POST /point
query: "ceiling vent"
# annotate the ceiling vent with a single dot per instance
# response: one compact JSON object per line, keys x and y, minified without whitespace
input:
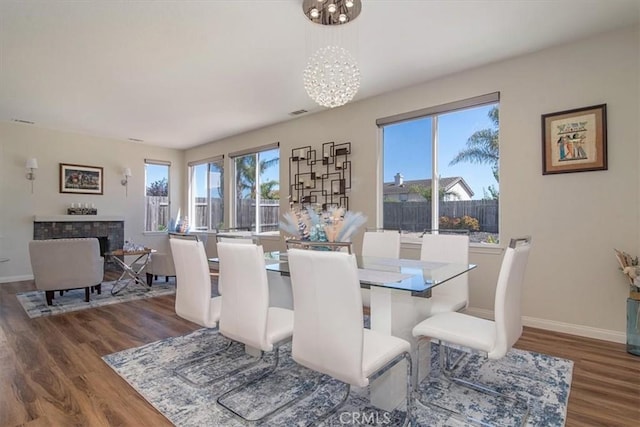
{"x":136,"y":140}
{"x":23,"y":121}
{"x":298,"y":112}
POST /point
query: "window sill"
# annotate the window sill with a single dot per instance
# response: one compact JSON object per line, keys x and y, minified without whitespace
{"x":478,"y":248}
{"x":486,"y":248}
{"x":154,"y":233}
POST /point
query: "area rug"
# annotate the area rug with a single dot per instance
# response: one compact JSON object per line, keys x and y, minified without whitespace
{"x":35,"y":304}
{"x":174,"y":376}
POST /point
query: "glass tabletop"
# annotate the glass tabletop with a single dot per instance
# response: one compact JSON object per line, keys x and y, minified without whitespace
{"x":402,"y":274}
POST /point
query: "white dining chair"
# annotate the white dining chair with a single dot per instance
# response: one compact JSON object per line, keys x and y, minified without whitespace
{"x":193,"y":294}
{"x":492,"y":338}
{"x":246,"y":316}
{"x":329,"y":334}
{"x":381,"y":244}
{"x":452,"y":295}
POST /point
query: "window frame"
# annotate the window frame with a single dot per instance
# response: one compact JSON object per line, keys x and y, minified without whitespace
{"x":233,"y":194}
{"x":146,"y":184}
{"x":220,"y":161}
{"x":433,"y":113}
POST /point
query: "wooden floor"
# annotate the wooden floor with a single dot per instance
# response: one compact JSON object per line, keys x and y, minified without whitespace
{"x":51,"y":372}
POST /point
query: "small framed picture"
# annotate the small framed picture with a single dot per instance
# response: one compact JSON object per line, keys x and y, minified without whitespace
{"x":575,"y":140}
{"x":80,"y":179}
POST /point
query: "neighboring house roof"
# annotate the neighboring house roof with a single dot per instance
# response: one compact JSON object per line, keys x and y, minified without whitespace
{"x":446,"y":183}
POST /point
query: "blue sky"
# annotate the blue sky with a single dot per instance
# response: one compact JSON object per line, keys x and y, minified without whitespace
{"x":407,"y":148}
{"x":155,"y":173}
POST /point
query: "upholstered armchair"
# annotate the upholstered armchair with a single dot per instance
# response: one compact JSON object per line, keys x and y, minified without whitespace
{"x":161,"y":264}
{"x":63,"y":264}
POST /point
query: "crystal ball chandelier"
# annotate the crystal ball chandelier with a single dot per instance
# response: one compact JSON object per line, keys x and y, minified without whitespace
{"x":332,"y":77}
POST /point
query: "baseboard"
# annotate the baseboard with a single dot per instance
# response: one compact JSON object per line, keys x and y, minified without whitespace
{"x":567,"y":328}
{"x":7,"y":279}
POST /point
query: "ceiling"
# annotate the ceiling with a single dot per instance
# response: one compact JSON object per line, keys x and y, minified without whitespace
{"x":183,"y":73}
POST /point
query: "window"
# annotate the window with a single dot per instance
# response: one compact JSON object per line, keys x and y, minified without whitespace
{"x":206,"y":194}
{"x":156,"y":208}
{"x":256,"y":189}
{"x":452,"y":151}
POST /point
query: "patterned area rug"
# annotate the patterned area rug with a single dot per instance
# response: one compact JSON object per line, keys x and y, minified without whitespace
{"x":35,"y":304}
{"x":175,"y":374}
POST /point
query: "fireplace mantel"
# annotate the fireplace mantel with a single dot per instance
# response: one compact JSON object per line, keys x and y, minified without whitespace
{"x":77,"y":218}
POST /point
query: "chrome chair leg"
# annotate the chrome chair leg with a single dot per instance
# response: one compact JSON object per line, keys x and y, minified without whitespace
{"x":446,"y":374}
{"x":410,"y":371}
{"x":179,"y":370}
{"x":254,"y":381}
{"x":408,"y":419}
{"x":409,"y":413}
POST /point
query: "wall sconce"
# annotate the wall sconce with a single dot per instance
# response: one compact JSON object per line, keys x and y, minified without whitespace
{"x":31,"y":166}
{"x":126,"y":173}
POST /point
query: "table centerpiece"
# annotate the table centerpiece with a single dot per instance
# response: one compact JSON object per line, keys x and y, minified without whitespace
{"x":311,"y":223}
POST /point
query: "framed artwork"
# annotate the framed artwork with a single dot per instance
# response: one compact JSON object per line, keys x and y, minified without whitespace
{"x":81,"y":179}
{"x":575,"y":140}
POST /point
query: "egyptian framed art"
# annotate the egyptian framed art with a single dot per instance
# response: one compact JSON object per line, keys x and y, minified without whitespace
{"x":575,"y":140}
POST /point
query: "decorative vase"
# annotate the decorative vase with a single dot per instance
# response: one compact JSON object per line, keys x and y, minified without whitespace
{"x":633,"y":326}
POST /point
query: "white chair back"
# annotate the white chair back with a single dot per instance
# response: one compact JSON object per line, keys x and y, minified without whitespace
{"x":381,"y":244}
{"x":328,"y":324}
{"x":193,"y":294}
{"x":245,"y":290}
{"x":508,"y":302}
{"x":236,"y":236}
{"x":234,"y":239}
{"x":448,"y":248}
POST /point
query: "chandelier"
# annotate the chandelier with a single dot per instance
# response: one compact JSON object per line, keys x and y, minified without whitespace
{"x":332,"y":76}
{"x":331,"y":12}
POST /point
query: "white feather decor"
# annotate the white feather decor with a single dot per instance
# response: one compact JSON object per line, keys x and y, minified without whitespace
{"x":334,"y":225}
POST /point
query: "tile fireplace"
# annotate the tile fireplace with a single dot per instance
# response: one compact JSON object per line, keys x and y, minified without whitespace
{"x":108,"y":229}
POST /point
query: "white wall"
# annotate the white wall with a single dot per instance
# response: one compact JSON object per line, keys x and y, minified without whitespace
{"x":18,"y":205}
{"x":576,"y":219}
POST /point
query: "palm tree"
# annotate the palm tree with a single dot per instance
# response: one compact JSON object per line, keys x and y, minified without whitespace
{"x":482,"y":146}
{"x":268,"y":190}
{"x":246,"y":174}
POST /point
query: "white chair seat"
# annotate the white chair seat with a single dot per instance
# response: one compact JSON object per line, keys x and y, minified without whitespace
{"x":447,"y":303}
{"x":279,"y":325}
{"x":460,"y":329}
{"x":378,"y":350}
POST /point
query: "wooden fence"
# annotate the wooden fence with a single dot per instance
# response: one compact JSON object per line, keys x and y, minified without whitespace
{"x":416,"y":216}
{"x":245,"y":214}
{"x":409,"y":216}
{"x":157,"y":213}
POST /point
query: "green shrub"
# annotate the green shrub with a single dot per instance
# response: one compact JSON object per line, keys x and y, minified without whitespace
{"x":464,"y":223}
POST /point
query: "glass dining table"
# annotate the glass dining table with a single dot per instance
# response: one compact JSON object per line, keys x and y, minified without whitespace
{"x":416,"y":277}
{"x":400,"y":294}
